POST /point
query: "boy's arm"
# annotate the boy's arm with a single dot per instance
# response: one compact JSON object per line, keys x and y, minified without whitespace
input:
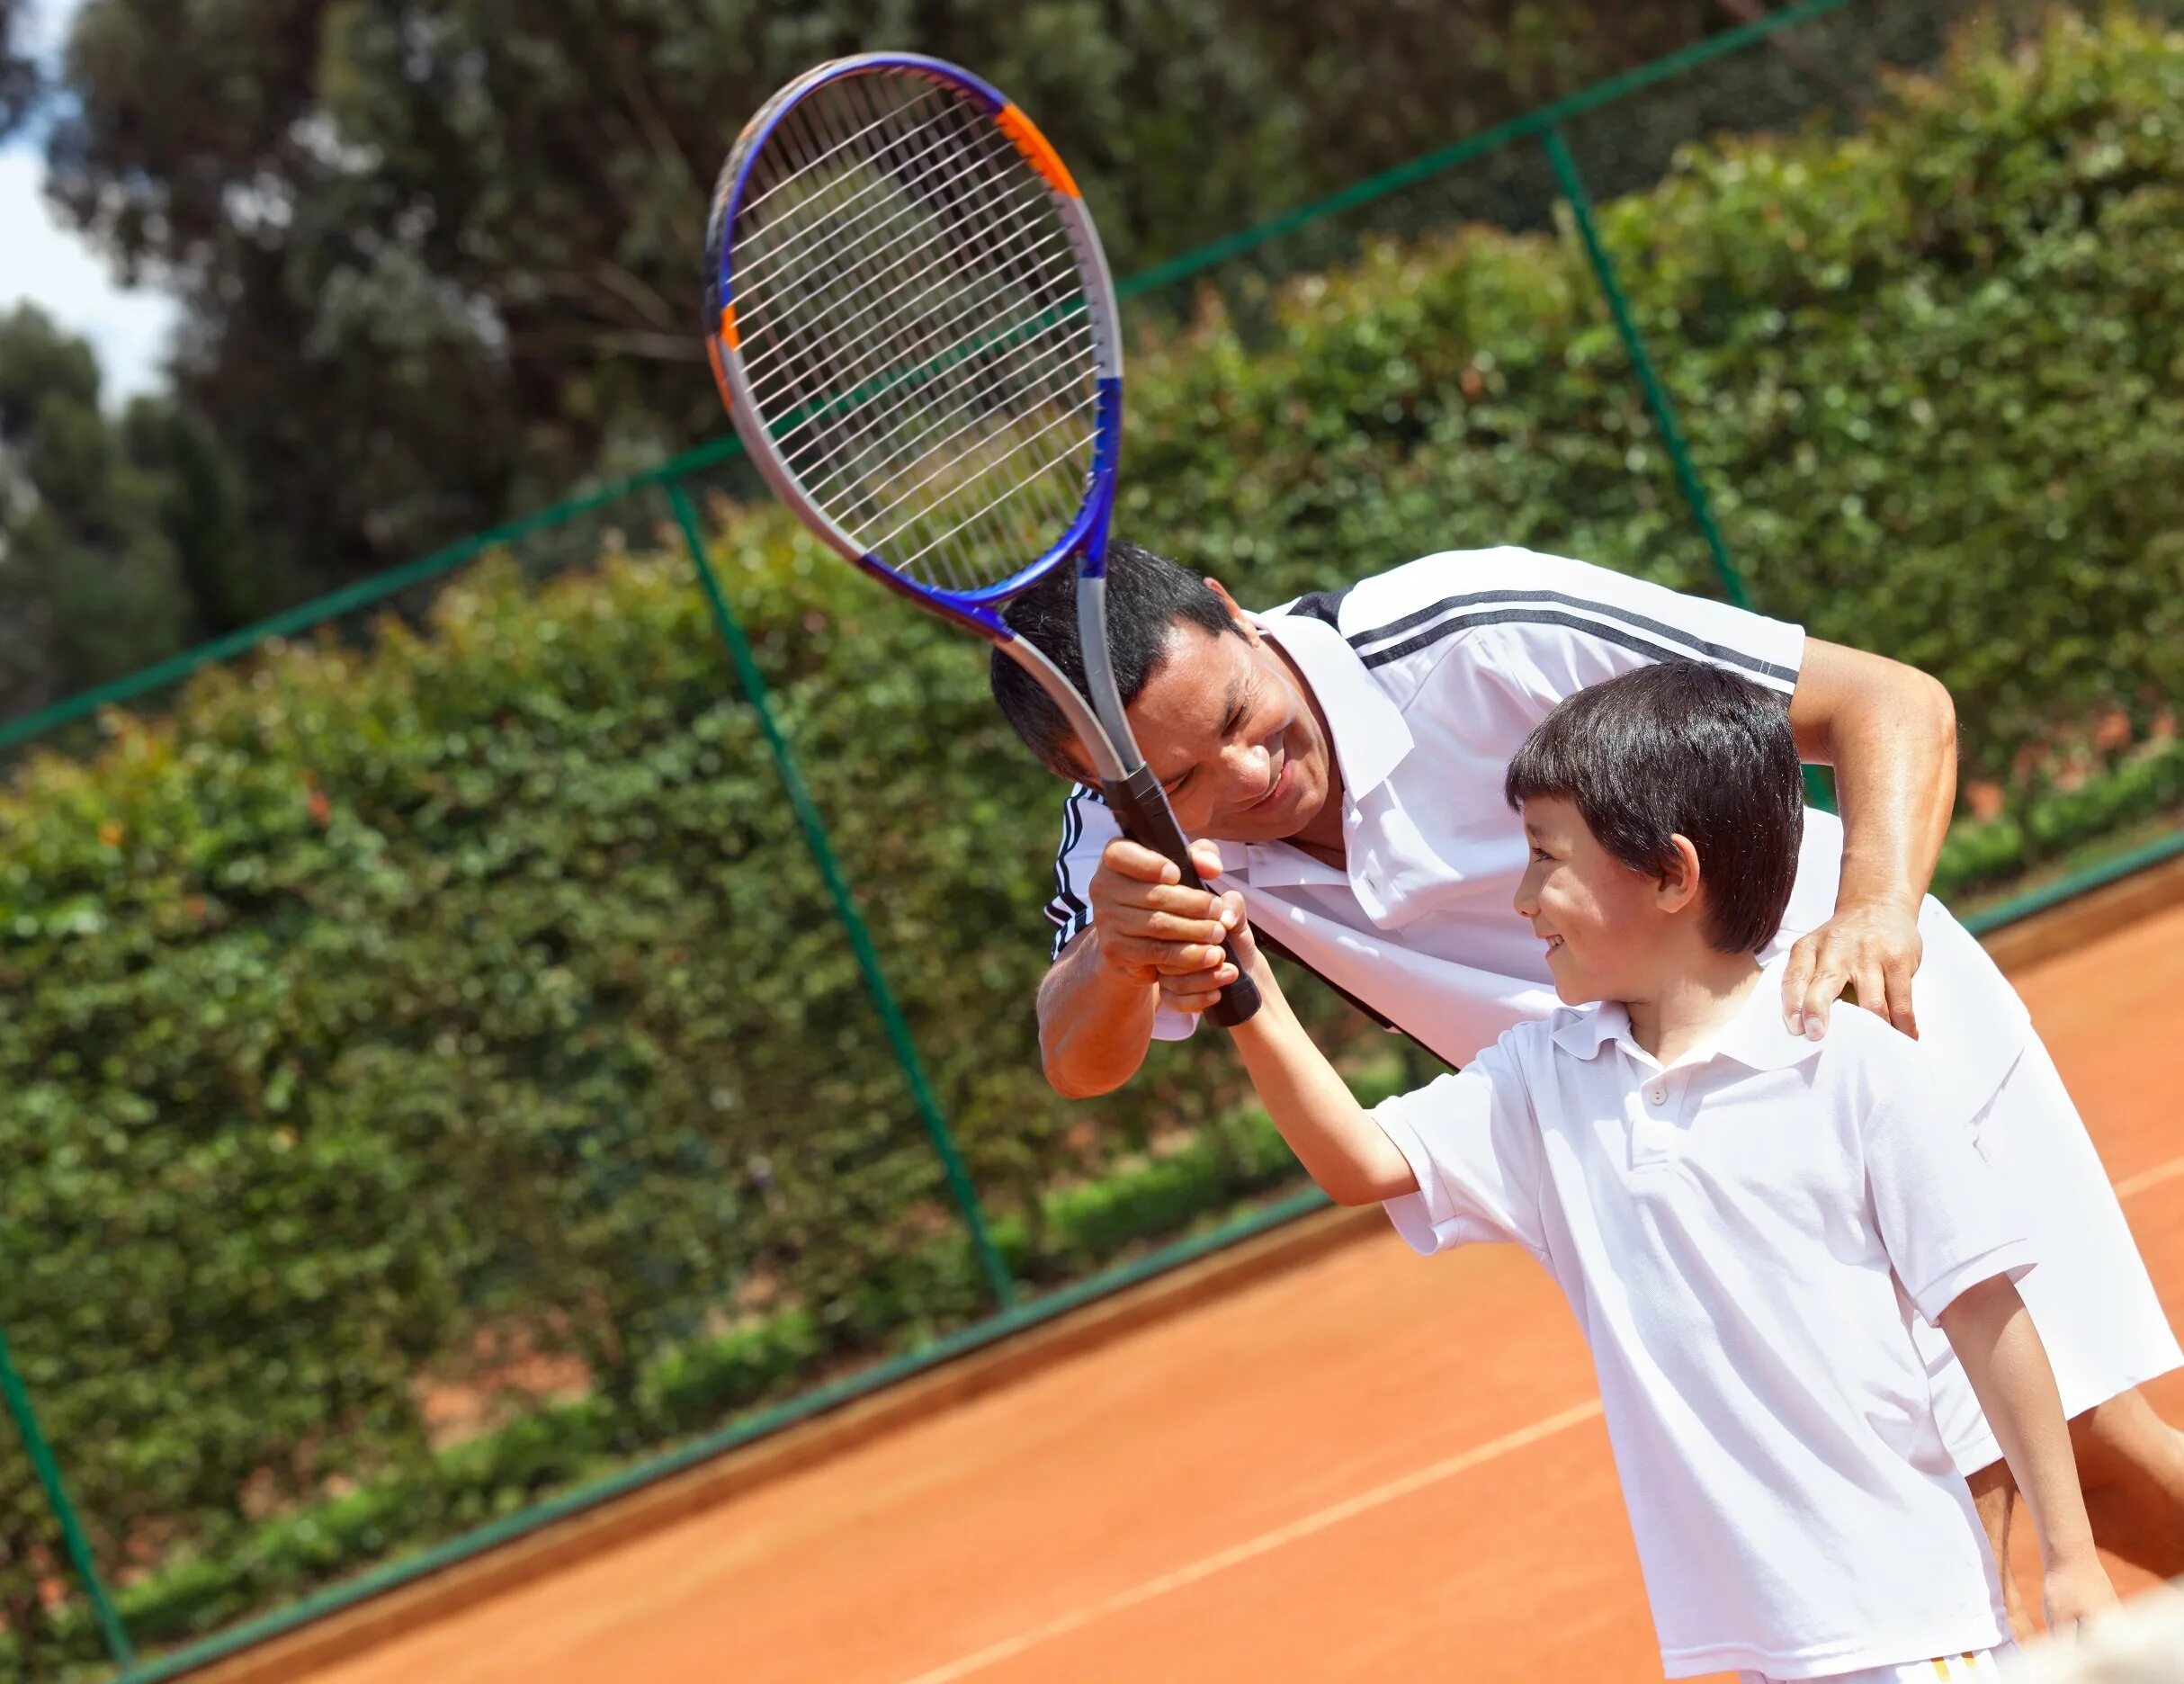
{"x":1340,"y":1146}
{"x":2002,"y":1355}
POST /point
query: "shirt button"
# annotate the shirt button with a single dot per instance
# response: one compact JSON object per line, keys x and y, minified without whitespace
{"x":1658,"y":1096}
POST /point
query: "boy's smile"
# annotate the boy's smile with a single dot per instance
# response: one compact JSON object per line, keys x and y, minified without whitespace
{"x":1596,"y":915}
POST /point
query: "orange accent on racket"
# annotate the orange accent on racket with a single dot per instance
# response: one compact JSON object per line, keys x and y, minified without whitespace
{"x":1039,"y":150}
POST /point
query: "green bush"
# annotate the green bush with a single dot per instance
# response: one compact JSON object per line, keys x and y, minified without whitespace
{"x":391,"y":1010}
{"x":1933,"y":375}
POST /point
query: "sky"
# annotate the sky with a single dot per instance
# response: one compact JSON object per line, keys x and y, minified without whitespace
{"x":43,"y":263}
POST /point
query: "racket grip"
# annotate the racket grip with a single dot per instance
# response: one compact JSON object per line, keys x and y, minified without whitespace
{"x":1140,"y":807}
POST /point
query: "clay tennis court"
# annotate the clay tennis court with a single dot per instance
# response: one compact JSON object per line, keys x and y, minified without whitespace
{"x":1365,"y":1467}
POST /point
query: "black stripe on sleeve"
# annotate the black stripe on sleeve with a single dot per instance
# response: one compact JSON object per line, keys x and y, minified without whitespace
{"x":1688,"y":641}
{"x":1067,"y":910}
{"x":1782,"y":677}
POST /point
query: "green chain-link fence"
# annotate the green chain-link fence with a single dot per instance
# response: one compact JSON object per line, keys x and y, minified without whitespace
{"x":456,"y":1066}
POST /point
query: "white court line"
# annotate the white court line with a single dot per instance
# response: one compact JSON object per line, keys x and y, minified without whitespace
{"x":2153,"y":1178}
{"x":1265,"y":1541}
{"x":1378,"y":1497}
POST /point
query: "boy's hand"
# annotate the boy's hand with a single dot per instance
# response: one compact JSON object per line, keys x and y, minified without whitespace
{"x":1195,"y":990}
{"x":1151,"y":928}
{"x":2076,"y":1588}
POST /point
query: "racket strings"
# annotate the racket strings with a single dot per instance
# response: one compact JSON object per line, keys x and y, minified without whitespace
{"x":949,"y":563}
{"x":938,"y":345}
{"x":1053,"y":253}
{"x":842,"y":226}
{"x":940,"y":453}
{"x":1046,"y":351}
{"x":914,"y":331}
{"x":939,"y":352}
{"x":941,"y":548}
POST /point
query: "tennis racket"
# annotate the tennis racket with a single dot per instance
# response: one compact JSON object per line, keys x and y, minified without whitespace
{"x":912,"y":323}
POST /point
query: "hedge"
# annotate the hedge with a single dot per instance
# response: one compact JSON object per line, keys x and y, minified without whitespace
{"x":1932,"y":372}
{"x":400,"y":1004}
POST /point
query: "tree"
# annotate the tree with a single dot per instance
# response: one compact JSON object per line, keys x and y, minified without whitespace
{"x":120,"y":540}
{"x":439,"y":257}
{"x":20,"y":81}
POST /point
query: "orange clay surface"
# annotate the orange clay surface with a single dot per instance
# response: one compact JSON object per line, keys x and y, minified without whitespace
{"x":1371,"y":1467}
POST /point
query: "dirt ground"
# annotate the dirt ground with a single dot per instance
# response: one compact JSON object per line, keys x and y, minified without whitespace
{"x":1370,"y":1467}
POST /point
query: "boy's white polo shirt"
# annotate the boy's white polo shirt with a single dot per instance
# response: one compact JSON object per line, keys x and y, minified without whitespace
{"x":1430,"y":676}
{"x":1746,"y":1237}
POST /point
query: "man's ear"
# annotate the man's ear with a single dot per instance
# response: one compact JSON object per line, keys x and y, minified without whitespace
{"x":1680,"y":885}
{"x":1243,"y":625}
{"x":1066,"y":765}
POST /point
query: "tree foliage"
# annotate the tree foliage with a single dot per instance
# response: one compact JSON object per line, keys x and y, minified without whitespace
{"x":439,"y":258}
{"x":121,"y":538}
{"x":21,"y":81}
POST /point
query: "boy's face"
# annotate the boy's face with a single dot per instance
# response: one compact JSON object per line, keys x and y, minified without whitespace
{"x":1604,"y":924}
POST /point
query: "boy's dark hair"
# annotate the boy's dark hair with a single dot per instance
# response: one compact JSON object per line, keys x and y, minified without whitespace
{"x":1681,"y":749}
{"x":1147,"y":596}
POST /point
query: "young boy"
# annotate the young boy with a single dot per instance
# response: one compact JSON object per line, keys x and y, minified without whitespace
{"x":1746,"y":1222}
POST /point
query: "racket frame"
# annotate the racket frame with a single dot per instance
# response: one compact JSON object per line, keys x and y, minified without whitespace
{"x":1096,"y":717}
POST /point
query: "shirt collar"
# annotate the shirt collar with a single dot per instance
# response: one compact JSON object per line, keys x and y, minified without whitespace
{"x":1584,"y":1032}
{"x":1756,"y":1037}
{"x":1370,"y":736}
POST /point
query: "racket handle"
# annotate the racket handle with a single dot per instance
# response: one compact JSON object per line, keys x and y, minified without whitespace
{"x":1140,"y":807}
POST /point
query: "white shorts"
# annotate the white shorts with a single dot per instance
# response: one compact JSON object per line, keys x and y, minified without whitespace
{"x":2089,"y":1294}
{"x":1965,"y":1669}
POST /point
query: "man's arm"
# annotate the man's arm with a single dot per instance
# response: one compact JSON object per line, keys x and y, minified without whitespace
{"x":1994,"y":1339}
{"x":1096,"y":1002}
{"x":1890,"y":733}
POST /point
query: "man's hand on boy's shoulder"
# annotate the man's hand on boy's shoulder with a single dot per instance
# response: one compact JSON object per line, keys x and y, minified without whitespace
{"x":1865,"y":955}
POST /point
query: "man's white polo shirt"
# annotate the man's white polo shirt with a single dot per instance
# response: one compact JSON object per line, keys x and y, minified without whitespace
{"x":1745,"y":1238}
{"x":1430,"y":676}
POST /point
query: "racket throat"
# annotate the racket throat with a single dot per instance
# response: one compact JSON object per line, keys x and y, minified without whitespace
{"x":1107,"y":765}
{"x":1100,"y":688}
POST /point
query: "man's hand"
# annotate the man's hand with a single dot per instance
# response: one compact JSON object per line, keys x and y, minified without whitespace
{"x":1153,"y":929}
{"x":1195,"y":990}
{"x":2074,"y":1589}
{"x":1874,"y":948}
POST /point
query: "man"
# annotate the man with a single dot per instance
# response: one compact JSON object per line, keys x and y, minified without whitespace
{"x":1342,"y":756}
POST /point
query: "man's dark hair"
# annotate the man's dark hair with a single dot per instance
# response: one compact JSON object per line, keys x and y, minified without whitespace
{"x":1681,"y":749}
{"x":1147,"y":596}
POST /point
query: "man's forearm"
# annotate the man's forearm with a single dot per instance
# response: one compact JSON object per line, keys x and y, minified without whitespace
{"x":1094,"y":1025}
{"x":1895,"y":784}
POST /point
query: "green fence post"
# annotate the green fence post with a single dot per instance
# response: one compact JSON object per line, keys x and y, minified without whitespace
{"x":1656,"y":395}
{"x":18,"y":1396}
{"x":860,"y":938}
{"x":1819,"y":787}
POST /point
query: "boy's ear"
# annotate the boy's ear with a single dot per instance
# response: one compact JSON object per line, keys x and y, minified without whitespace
{"x":1680,"y":885}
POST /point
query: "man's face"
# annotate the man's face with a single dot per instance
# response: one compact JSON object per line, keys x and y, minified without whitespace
{"x":1224,"y":724}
